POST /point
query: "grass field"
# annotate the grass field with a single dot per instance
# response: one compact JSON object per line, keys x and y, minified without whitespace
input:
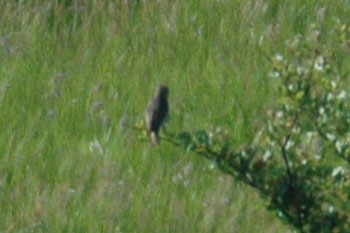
{"x":72,"y":72}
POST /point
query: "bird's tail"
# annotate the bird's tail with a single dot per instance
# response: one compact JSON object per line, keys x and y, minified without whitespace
{"x":154,"y":138}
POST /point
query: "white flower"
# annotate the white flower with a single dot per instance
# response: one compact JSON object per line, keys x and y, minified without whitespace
{"x":296,"y":130}
{"x":279,"y":57}
{"x":337,"y":170}
{"x":274,"y":74}
{"x":341,"y":95}
{"x":310,"y":134}
{"x":95,"y":146}
{"x":321,"y":110}
{"x":319,"y":63}
{"x":338,"y":146}
{"x":330,"y":136}
{"x":261,"y":39}
{"x":334,"y":84}
{"x":329,"y":97}
{"x":211,"y":166}
{"x":279,"y":114}
{"x":291,"y":87}
{"x":267,"y":155}
{"x":289,"y":144}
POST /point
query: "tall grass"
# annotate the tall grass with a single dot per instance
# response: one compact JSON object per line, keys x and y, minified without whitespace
{"x":72,"y":71}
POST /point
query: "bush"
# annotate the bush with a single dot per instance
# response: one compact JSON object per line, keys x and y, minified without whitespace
{"x":299,"y":159}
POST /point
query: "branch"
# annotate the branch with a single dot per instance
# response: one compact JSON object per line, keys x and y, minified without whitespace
{"x":286,"y":162}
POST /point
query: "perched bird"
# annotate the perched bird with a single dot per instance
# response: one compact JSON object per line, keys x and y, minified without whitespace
{"x":157,"y":112}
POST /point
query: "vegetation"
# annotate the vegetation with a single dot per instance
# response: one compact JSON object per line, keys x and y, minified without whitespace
{"x":74,"y":73}
{"x":299,"y":159}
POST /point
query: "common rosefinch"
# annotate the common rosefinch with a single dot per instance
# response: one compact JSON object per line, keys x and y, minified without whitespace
{"x":157,"y":112}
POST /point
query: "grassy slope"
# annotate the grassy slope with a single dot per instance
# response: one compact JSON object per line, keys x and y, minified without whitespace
{"x":69,"y":75}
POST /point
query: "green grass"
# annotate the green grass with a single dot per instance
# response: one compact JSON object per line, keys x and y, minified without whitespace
{"x":71,"y":70}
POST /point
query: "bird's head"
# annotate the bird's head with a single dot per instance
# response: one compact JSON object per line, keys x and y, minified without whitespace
{"x":163,"y":90}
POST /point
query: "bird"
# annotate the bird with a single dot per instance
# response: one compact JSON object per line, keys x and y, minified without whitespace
{"x":157,"y":113}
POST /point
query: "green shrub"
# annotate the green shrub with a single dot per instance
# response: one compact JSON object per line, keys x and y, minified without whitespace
{"x":299,"y":159}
